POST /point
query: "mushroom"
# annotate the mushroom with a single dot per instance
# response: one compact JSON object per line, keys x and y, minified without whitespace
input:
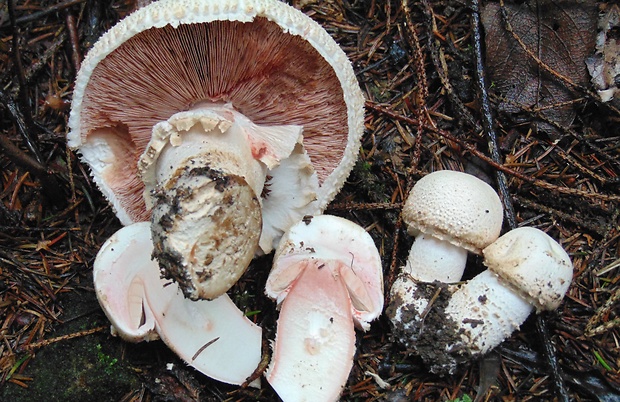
{"x":212,"y":336}
{"x":326,"y":277}
{"x":450,"y":213}
{"x":527,"y":270}
{"x":221,"y":122}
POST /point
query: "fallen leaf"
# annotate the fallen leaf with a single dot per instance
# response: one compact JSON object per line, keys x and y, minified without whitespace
{"x":561,"y":34}
{"x":604,"y":65}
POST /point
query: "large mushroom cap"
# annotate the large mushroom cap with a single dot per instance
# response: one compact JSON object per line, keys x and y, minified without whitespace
{"x":533,"y":263}
{"x":268,"y":60}
{"x":456,"y":207}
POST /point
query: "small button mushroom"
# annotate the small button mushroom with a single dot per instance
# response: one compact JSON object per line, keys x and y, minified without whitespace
{"x":192,"y":114}
{"x":450,"y":213}
{"x":214,"y":337}
{"x":527,"y":270}
{"x":326,"y":277}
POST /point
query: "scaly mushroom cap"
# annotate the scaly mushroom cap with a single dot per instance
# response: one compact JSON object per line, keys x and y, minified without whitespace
{"x":456,"y":207}
{"x":532,"y":263}
{"x":212,"y":336}
{"x":271,"y":62}
{"x":326,"y":275}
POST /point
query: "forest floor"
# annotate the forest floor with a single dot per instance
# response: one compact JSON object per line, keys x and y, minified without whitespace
{"x":557,"y":162}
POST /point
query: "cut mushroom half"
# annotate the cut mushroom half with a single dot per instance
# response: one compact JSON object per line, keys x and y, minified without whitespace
{"x":327,"y":278}
{"x":221,"y":122}
{"x":214,"y":337}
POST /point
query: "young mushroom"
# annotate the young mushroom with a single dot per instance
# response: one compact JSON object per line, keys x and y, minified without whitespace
{"x":326,"y":277}
{"x":527,"y":270}
{"x":449,"y":213}
{"x":212,"y":336}
{"x":221,"y":122}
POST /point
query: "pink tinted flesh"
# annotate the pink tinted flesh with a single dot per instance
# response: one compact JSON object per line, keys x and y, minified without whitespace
{"x":315,"y":340}
{"x":271,"y":77}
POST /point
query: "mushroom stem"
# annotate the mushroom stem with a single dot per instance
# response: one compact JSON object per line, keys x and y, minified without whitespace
{"x":204,"y":171}
{"x":481,"y":330}
{"x":315,"y":340}
{"x":431,"y":259}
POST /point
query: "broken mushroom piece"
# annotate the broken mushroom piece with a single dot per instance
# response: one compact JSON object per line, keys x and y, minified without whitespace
{"x":214,"y":337}
{"x":326,"y":276}
{"x":223,"y":122}
{"x":527,"y":270}
{"x":449,"y":213}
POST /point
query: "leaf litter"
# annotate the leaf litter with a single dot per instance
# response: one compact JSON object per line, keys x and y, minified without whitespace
{"x":415,"y":63}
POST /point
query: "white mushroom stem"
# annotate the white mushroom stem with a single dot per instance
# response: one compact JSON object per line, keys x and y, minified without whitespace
{"x":527,"y":270}
{"x":315,"y":341}
{"x":212,"y":336}
{"x":204,"y":171}
{"x":487,"y":311}
{"x":431,"y":259}
{"x":327,"y":277}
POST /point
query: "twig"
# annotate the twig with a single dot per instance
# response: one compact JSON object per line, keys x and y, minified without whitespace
{"x":74,"y":40}
{"x":46,"y":342}
{"x":487,"y":118}
{"x":48,"y":10}
{"x":491,"y":162}
{"x":24,"y":131}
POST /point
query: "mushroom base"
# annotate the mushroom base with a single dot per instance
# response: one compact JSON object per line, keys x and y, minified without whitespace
{"x":420,"y":323}
{"x":205,"y":225}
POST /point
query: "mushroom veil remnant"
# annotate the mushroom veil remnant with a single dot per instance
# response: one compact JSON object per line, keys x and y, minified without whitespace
{"x":327,"y":278}
{"x":221,"y":122}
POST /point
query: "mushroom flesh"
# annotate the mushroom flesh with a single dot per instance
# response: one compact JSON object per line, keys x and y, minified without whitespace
{"x":327,"y":278}
{"x":214,"y":337}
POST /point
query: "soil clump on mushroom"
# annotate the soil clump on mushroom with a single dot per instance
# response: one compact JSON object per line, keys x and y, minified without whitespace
{"x":416,"y":63}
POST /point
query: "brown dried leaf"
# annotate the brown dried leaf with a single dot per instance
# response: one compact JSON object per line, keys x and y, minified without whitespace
{"x":604,"y":66}
{"x":561,"y":34}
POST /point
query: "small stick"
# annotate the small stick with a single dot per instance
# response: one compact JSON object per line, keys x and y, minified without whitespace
{"x":23,"y":88}
{"x":487,"y":117}
{"x":61,"y":338}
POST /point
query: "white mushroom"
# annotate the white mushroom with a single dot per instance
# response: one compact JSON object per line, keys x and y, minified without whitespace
{"x":212,"y":336}
{"x":326,"y":276}
{"x":527,"y":270}
{"x":192,"y":114}
{"x":450,"y":213}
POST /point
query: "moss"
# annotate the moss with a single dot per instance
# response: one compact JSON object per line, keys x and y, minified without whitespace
{"x":88,"y":368}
